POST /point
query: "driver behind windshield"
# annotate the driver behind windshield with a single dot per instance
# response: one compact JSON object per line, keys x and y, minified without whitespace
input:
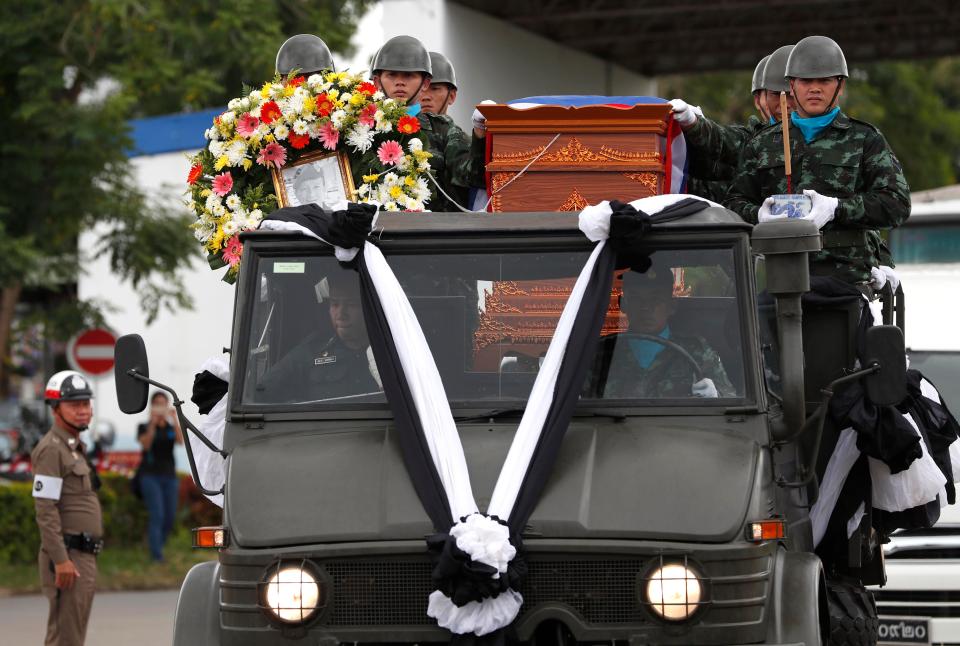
{"x":328,"y":367}
{"x":639,"y":367}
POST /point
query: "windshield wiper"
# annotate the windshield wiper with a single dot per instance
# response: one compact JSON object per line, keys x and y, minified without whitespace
{"x":495,"y":413}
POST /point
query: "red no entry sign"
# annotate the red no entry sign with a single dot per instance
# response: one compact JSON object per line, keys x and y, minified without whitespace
{"x":91,"y":351}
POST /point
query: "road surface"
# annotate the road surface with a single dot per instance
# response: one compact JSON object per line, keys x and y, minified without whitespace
{"x":118,"y":619}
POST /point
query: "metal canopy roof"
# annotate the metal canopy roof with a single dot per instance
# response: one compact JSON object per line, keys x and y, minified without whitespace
{"x":671,"y":37}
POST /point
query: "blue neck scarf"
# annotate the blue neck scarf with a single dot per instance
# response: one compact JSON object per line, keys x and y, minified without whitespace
{"x":413,"y":110}
{"x":813,"y":126}
{"x":772,"y":120}
{"x":646,"y":351}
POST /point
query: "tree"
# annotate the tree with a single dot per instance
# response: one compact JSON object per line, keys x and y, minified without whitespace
{"x":72,"y":73}
{"x":915,"y":104}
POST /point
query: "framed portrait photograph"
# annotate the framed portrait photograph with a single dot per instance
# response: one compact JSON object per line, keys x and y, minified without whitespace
{"x":321,"y":178}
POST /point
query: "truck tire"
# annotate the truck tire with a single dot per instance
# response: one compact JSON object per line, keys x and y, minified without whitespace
{"x":853,"y":615}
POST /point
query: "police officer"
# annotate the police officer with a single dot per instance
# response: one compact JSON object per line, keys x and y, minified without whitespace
{"x":402,"y":70}
{"x":323,"y":367}
{"x":442,"y":92}
{"x":68,"y":511}
{"x":845,"y":166}
{"x":305,"y":54}
{"x":713,"y":149}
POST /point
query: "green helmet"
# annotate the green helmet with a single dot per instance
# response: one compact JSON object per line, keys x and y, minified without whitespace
{"x":757,"y":82}
{"x":816,"y":57}
{"x":402,"y":54}
{"x":773,"y":72}
{"x":304,"y":52}
{"x":443,"y":71}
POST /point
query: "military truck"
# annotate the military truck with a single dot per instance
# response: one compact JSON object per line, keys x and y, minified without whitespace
{"x":654,"y":488}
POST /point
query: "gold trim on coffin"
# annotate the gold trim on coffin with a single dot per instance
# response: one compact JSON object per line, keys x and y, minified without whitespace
{"x":574,"y":152}
{"x":648,"y":180}
{"x":575,"y":202}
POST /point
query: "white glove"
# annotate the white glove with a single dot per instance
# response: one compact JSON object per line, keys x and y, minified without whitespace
{"x":705,"y":388}
{"x":480,"y":121}
{"x":685,"y":114}
{"x":891,"y":276}
{"x":877,"y":278}
{"x":822,"y":208}
{"x":764,"y":214}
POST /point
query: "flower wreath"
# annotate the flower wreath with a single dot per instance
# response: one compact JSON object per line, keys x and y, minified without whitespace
{"x":231,"y":187}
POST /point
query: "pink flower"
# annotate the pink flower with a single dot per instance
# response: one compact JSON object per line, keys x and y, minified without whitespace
{"x":389,"y":153}
{"x":232,"y":251}
{"x":329,"y":136}
{"x":247,"y":125}
{"x":222,"y":184}
{"x":272,"y":154}
{"x":366,"y":115}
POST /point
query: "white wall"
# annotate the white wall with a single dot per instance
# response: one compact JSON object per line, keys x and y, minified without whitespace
{"x":931,"y":305}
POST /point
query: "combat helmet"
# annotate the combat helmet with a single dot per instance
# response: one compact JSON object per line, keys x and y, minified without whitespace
{"x":816,"y":57}
{"x":757,"y":82}
{"x":304,"y":52}
{"x":67,"y":386}
{"x":774,"y":71}
{"x":443,"y":71}
{"x":402,"y":54}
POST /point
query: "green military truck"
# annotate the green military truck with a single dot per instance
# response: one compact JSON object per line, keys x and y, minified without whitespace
{"x":668,"y":518}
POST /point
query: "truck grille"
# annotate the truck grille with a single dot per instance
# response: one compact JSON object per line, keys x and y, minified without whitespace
{"x":910,"y":603}
{"x":602,"y":590}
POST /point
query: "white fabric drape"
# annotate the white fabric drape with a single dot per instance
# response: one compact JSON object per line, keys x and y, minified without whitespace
{"x":211,"y":466}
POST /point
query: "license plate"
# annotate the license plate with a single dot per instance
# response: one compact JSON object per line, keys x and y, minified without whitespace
{"x":904,"y":630}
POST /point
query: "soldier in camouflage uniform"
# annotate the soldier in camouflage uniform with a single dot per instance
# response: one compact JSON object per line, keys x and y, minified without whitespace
{"x":854,"y":180}
{"x":402,"y":70}
{"x":630,"y":367}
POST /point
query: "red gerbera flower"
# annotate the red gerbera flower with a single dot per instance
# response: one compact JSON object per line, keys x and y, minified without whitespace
{"x":269,"y":112}
{"x":366,"y":115}
{"x":195,"y":172}
{"x":408,"y":125}
{"x":296,"y":81}
{"x":367,"y":88}
{"x":324,"y":105}
{"x":298,"y":141}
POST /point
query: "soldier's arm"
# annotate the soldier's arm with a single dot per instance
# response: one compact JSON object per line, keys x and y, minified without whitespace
{"x":713,"y":369}
{"x":47,"y":485}
{"x":885,"y":199}
{"x":465,"y":163}
{"x":720,"y":144}
{"x":744,"y":196}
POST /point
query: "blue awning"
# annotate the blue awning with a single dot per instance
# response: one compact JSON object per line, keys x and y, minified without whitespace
{"x":171,"y":132}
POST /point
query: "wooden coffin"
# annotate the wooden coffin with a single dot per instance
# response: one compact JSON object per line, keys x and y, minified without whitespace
{"x":600,"y":153}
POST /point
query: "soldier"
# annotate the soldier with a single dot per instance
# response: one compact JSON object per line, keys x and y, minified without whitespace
{"x":68,"y":511}
{"x":305,"y":54}
{"x":442,"y":92}
{"x":402,"y":70}
{"x":328,"y":367}
{"x":634,"y":367}
{"x":845,"y":166}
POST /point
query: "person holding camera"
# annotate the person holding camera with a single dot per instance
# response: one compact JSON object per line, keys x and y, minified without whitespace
{"x":158,"y":475}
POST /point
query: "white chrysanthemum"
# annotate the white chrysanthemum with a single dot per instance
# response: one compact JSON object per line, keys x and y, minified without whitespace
{"x":337,"y":118}
{"x":216,"y":147}
{"x":333,"y":93}
{"x":233,"y":202}
{"x":424,"y":166}
{"x":295,"y":102}
{"x":262,"y":130}
{"x":379,"y":115}
{"x":257,"y":213}
{"x":207,"y":218}
{"x":212,"y":134}
{"x":230,"y":227}
{"x":390,"y":206}
{"x":300,"y":127}
{"x":256,"y":111}
{"x":416,"y":205}
{"x":345,"y":97}
{"x":213,"y":201}
{"x":363,"y":190}
{"x":415,"y":145}
{"x":391,"y":179}
{"x":236,"y":152}
{"x":245,"y":104}
{"x":314,"y":130}
{"x":360,"y":138}
{"x":384,"y":126}
{"x":281,"y":131}
{"x":255,"y":97}
{"x":203,"y":232}
{"x":380,"y":96}
{"x":240,"y":217}
{"x":349,"y":80}
{"x":421,"y":190}
{"x":233,"y":104}
{"x":314,"y":81}
{"x":403,"y":164}
{"x":219,"y":210}
{"x":228,"y":117}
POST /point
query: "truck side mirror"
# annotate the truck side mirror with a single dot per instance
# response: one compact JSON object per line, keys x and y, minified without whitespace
{"x":885,"y":347}
{"x":129,"y":354}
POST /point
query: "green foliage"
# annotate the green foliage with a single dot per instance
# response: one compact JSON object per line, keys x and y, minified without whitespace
{"x":18,"y":524}
{"x":916,"y":105}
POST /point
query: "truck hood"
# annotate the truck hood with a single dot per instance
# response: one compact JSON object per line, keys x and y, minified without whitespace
{"x":644,"y":479}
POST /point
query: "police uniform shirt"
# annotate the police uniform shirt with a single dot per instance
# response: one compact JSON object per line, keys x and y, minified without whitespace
{"x":319,"y":369}
{"x":63,"y":492}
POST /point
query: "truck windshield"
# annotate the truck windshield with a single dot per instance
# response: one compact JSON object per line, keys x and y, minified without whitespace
{"x":672,"y":332}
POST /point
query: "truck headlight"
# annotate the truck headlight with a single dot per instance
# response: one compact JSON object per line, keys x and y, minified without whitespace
{"x":673,"y":592}
{"x":292,"y":593}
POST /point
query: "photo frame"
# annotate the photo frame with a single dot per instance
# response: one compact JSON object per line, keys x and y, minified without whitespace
{"x":322,"y":178}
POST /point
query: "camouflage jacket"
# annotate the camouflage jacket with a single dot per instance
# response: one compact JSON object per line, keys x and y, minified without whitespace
{"x":713,"y":151}
{"x":849,"y":160}
{"x":457,"y":163}
{"x":669,"y":376}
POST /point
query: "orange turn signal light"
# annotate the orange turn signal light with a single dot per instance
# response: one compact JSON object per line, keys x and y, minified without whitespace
{"x":766,"y":530}
{"x":210,"y":537}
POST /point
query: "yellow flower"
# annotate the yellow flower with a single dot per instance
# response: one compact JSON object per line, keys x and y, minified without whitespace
{"x":421,"y":155}
{"x":289,"y":90}
{"x":309,"y":105}
{"x":409,"y":181}
{"x":205,"y":192}
{"x":216,"y":240}
{"x":247,"y":163}
{"x":270,"y":139}
{"x":332,"y":93}
{"x":369,"y":179}
{"x":222,"y":161}
{"x":331,"y":77}
{"x":395,"y":192}
{"x":265,"y":90}
{"x":357,"y":98}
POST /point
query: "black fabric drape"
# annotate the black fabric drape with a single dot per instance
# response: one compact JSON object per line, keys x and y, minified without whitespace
{"x":347,"y":228}
{"x":938,"y":426}
{"x":208,"y":389}
{"x":406,"y":421}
